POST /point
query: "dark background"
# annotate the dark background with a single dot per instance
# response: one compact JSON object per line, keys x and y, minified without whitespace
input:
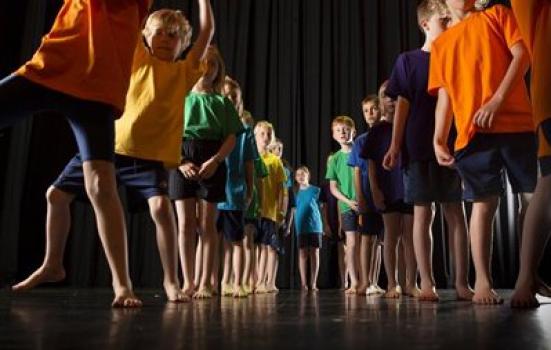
{"x":300,"y":62}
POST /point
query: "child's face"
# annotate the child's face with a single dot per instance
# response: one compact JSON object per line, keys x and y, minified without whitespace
{"x":277,"y":150}
{"x":342,"y":133}
{"x":371,"y":112}
{"x":164,"y":42}
{"x":263,"y":137}
{"x":460,"y":5}
{"x":232,"y":94}
{"x":435,"y":25}
{"x":302,"y":177}
{"x":210,"y":67}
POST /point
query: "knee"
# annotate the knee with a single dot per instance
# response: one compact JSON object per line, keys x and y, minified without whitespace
{"x":160,"y":208}
{"x":100,"y":186}
{"x":57,"y":197}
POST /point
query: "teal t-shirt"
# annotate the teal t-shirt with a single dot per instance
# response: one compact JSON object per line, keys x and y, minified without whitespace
{"x":339,"y":171}
{"x":236,"y":182}
{"x":307,"y":214}
{"x":210,"y":117}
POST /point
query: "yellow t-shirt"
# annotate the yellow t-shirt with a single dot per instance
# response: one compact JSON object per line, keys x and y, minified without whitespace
{"x":534,"y":21}
{"x":88,"y":51}
{"x":151,"y":126}
{"x":271,"y":186}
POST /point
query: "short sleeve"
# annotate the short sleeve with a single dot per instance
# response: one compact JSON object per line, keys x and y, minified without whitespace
{"x":321,"y":195}
{"x":260,"y":168}
{"x":250,"y":151}
{"x":280,"y":173}
{"x":331,"y":173}
{"x":354,"y":157}
{"x":365,"y":151}
{"x":508,"y":24}
{"x":397,"y":81}
{"x":436,"y":76}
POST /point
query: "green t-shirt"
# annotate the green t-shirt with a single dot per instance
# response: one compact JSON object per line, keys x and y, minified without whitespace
{"x":210,"y":117}
{"x":339,"y":171}
{"x":260,"y":171}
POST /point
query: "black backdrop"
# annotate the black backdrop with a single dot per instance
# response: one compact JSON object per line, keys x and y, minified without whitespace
{"x":300,"y":62}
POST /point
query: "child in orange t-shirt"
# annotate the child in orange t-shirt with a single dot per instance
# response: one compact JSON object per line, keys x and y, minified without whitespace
{"x":477,"y":68}
{"x":82,"y":70}
{"x":534,"y":20}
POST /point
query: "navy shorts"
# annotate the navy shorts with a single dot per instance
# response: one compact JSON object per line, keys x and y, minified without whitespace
{"x":231,"y":224}
{"x":142,"y":178}
{"x":545,"y":162}
{"x":372,"y":223}
{"x":265,"y":231}
{"x":93,"y":123}
{"x":309,"y":240}
{"x":482,"y":163}
{"x":399,"y":206}
{"x":213,"y":189}
{"x":427,"y":182}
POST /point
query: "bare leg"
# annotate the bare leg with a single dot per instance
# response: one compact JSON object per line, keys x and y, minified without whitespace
{"x":366,"y":249}
{"x":422,"y":242}
{"x":411,"y":288}
{"x":314,"y":268}
{"x":536,"y":232}
{"x":238,"y":290}
{"x":187,"y":233}
{"x":392,"y":223}
{"x":303,"y":267}
{"x":165,"y":225}
{"x":352,"y":242}
{"x":262,"y":267}
{"x":58,"y":223}
{"x":271,"y":270}
{"x":208,"y":228}
{"x":226,"y":286}
{"x":216,"y":257}
{"x":342,"y":265}
{"x":481,"y":244}
{"x":455,"y":217}
{"x":198,"y":261}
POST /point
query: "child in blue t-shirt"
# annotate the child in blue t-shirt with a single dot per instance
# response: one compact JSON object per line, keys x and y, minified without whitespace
{"x":309,"y":227}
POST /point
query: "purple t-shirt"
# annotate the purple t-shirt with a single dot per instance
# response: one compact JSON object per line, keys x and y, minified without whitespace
{"x":409,"y":79}
{"x":354,"y":160}
{"x":378,"y":142}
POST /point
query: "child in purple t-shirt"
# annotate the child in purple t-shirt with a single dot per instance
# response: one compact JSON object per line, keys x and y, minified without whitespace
{"x":425,"y":181}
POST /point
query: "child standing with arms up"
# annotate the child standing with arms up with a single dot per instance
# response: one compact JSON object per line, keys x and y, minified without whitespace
{"x":210,"y":127}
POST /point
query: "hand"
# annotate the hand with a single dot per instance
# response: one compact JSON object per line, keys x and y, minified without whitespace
{"x":443,"y":156}
{"x":391,"y":159}
{"x":208,"y":168}
{"x":353,"y":205}
{"x":189,"y":170}
{"x":327,"y":232}
{"x":378,"y":199}
{"x":362,"y":205}
{"x":484,"y":117}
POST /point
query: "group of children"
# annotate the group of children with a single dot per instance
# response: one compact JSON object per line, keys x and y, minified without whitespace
{"x":137,"y":109}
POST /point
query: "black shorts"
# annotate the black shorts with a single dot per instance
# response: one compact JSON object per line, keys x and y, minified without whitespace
{"x":212,"y":190}
{"x":231,"y":224}
{"x":309,"y":240}
{"x":481,"y":164}
{"x":372,"y":223}
{"x":398,"y":207}
{"x":427,"y":182}
{"x":265,"y":230}
{"x":545,"y":162}
{"x":142,"y":178}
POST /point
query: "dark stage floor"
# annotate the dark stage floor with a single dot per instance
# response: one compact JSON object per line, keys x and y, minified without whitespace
{"x":69,"y":319}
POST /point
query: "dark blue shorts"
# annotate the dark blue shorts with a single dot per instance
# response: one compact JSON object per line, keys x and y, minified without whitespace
{"x":213,"y":189}
{"x":93,"y":123}
{"x":427,"y":182}
{"x":483,"y":162}
{"x":231,"y":224}
{"x":545,"y":162}
{"x":265,"y":231}
{"x":372,"y":223}
{"x":143,"y":178}
{"x":309,"y":240}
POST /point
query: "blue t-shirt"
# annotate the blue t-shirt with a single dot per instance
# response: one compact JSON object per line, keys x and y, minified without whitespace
{"x":354,"y":160}
{"x":409,"y":80}
{"x":307,"y":214}
{"x":375,"y":148}
{"x":236,"y":185}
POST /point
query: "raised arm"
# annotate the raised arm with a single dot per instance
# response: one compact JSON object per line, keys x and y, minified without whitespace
{"x":206,"y":32}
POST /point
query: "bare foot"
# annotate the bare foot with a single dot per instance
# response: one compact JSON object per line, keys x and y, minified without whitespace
{"x":543,"y":289}
{"x":314,"y":289}
{"x":43,"y":274}
{"x":351,"y":291}
{"x":393,"y":293}
{"x":429,"y":294}
{"x":239,"y":292}
{"x":486,"y":296}
{"x":412,"y":291}
{"x":203,"y":293}
{"x":362,"y":289}
{"x":175,"y":295}
{"x":304,"y":288}
{"x":261,"y":289}
{"x":227,"y":290}
{"x":524,"y":298}
{"x":464,"y":293}
{"x":125,"y":298}
{"x":272,"y":289}
{"x":248,"y":289}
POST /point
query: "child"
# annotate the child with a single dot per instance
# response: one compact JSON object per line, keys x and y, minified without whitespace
{"x":370,"y":222}
{"x":425,"y":181}
{"x":309,"y":227}
{"x":271,"y":207}
{"x":82,"y":70}
{"x":341,"y":179}
{"x":239,"y":187}
{"x":210,"y":127}
{"x":146,"y":136}
{"x":534,"y":20}
{"x":484,"y":94}
{"x":388,"y":193}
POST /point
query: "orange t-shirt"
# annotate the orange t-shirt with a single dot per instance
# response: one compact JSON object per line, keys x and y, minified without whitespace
{"x":470,"y":61}
{"x":88,"y":52}
{"x":534,"y":21}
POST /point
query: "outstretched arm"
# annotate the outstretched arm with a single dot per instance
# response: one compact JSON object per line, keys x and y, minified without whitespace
{"x":206,"y":31}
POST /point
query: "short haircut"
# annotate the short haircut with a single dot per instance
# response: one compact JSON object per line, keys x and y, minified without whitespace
{"x":172,"y":20}
{"x":263,"y":124}
{"x":345,"y":120}
{"x":427,"y":8}
{"x":373,"y":98}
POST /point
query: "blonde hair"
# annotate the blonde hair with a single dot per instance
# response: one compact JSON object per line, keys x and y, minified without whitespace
{"x":371,"y":99}
{"x":218,"y":82}
{"x":345,"y":120}
{"x":263,"y":124}
{"x":173,"y":20}
{"x":427,"y":8}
